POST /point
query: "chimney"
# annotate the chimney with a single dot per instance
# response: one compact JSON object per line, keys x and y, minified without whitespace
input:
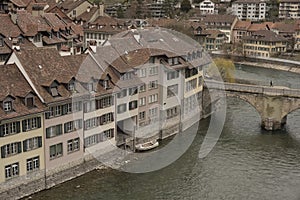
{"x":88,"y":9}
{"x":101,"y":9}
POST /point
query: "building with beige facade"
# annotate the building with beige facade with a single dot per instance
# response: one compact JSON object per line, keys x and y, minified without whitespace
{"x":264,"y":43}
{"x":289,"y":9}
{"x":22,"y":138}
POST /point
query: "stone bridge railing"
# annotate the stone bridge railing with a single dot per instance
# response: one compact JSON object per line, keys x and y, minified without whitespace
{"x":273,"y":91}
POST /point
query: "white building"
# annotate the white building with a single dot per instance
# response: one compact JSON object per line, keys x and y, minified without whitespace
{"x":254,"y":10}
{"x":289,"y":9}
{"x":207,"y":7}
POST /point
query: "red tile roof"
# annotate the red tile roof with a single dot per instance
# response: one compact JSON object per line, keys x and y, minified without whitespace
{"x":8,"y":28}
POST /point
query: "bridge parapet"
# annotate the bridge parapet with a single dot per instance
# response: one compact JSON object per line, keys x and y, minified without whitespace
{"x":272,"y":91}
{"x":272,"y":103}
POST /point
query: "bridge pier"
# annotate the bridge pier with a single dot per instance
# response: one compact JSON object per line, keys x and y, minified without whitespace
{"x":271,"y":124}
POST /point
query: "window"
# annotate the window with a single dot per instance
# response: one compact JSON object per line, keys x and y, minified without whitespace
{"x":56,"y":151}
{"x":153,"y":84}
{"x":133,"y":91}
{"x":31,"y":124}
{"x":143,"y":72}
{"x":71,"y":86}
{"x":32,"y":143}
{"x":10,"y":149}
{"x":132,"y":105}
{"x":72,"y":126}
{"x":89,"y":106}
{"x":57,"y":110}
{"x":54,"y":91}
{"x":172,"y":75}
{"x":29,"y":102}
{"x":53,"y":131}
{"x":73,"y":145}
{"x":33,"y":164}
{"x":142,"y":115}
{"x":190,"y":72}
{"x":9,"y":129}
{"x":190,"y":85}
{"x":153,"y":112}
{"x":142,"y":88}
{"x":108,"y":134}
{"x":11,"y":170}
{"x":90,"y":87}
{"x":122,"y":108}
{"x":142,"y":101}
{"x":99,"y":137}
{"x":172,"y":112}
{"x":105,"y":102}
{"x":91,"y":123}
{"x":74,"y":13}
{"x":153,"y":98}
{"x":172,"y":90}
{"x":77,"y":106}
{"x":1,"y":42}
{"x":106,"y":118}
{"x":151,"y":60}
{"x":7,"y":106}
{"x":153,"y":70}
{"x":122,"y":94}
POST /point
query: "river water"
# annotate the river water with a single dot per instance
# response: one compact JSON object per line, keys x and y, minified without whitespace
{"x":246,"y":163}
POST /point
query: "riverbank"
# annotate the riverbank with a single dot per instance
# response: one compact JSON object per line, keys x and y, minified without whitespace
{"x":269,"y":63}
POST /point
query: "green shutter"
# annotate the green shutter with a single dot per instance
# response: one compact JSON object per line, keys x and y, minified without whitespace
{"x":65,"y":128}
{"x":40,"y":142}
{"x":2,"y":152}
{"x":24,"y":146}
{"x":1,"y":131}
{"x":18,"y":127}
{"x":19,"y":147}
{"x":39,"y":122}
{"x":23,"y":126}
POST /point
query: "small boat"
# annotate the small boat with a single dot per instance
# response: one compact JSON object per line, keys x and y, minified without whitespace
{"x":147,"y":146}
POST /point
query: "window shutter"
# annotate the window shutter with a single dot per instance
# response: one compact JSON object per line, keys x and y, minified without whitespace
{"x":65,"y":128}
{"x":58,"y":129}
{"x":18,"y":127}
{"x":64,"y":109}
{"x":80,"y":124}
{"x":19,"y":147}
{"x":2,"y":152}
{"x":23,"y":126}
{"x":39,"y":122}
{"x":24,"y":146}
{"x":1,"y":131}
{"x":47,"y":133}
{"x":40,"y":142}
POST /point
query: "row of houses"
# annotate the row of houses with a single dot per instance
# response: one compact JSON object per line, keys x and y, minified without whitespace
{"x":58,"y":112}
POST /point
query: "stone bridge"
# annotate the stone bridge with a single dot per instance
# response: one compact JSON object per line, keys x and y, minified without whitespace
{"x":272,"y":103}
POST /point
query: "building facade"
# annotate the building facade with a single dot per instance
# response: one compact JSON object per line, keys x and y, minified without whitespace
{"x":289,"y":9}
{"x":254,"y":10}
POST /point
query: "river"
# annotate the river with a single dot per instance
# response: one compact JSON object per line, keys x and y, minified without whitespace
{"x":246,"y":163}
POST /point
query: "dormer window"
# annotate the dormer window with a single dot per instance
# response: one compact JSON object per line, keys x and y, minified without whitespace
{"x":105,"y":84}
{"x":7,"y":106}
{"x":91,"y":87}
{"x":54,"y":92}
{"x":29,"y":101}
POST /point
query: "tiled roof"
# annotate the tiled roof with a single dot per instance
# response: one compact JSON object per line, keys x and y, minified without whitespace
{"x":8,"y":28}
{"x":31,"y":25}
{"x":212,"y":33}
{"x":86,"y":16}
{"x":55,"y":21}
{"x":289,"y":1}
{"x":43,"y":66}
{"x":69,"y":5}
{"x":21,"y":3}
{"x":14,"y":84}
{"x":284,"y":27}
{"x":242,"y":25}
{"x":265,"y":35}
{"x":260,"y":26}
{"x":219,"y":18}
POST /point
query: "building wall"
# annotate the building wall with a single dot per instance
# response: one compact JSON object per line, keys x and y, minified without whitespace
{"x":79,"y":10}
{"x":21,"y":158}
{"x":289,"y":10}
{"x":252,"y":11}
